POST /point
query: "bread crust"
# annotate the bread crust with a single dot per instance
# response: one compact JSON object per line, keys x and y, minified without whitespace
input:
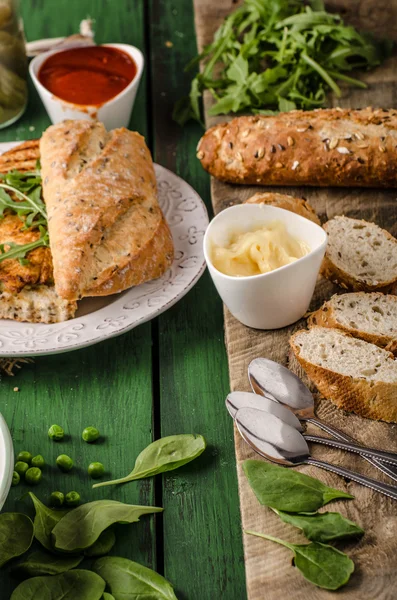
{"x":325,"y":317}
{"x":324,"y":147}
{"x":36,"y":304}
{"x":300,"y":206}
{"x":337,"y":275}
{"x":107,"y":231}
{"x":376,"y":400}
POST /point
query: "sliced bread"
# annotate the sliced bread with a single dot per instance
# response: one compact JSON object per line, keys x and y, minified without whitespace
{"x":356,"y":375}
{"x":300,"y":206}
{"x":371,"y":317}
{"x":360,"y":255}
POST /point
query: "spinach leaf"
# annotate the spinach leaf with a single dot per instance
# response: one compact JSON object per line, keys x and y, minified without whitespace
{"x":103,"y":545}
{"x":16,"y":535}
{"x":81,"y":527}
{"x":45,"y":521}
{"x":42,"y":563}
{"x":320,"y":564}
{"x":286,"y":489}
{"x":165,"y":454}
{"x":72,"y":585}
{"x":129,"y":580}
{"x":107,"y":596}
{"x":322,"y":527}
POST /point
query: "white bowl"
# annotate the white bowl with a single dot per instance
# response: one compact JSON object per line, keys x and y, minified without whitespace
{"x":116,"y":112}
{"x":280,"y":297}
{"x":6,"y":461}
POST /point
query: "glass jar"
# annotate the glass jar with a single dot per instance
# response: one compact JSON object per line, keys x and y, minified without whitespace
{"x":13,"y":64}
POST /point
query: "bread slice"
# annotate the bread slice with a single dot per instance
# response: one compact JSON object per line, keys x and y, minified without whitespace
{"x":23,"y":157}
{"x":360,"y":256}
{"x":371,"y":317}
{"x":356,"y":375}
{"x":36,"y":304}
{"x":107,"y":231}
{"x":296,"y":205}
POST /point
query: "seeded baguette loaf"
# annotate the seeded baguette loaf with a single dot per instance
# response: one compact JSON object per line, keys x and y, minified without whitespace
{"x":360,"y":255}
{"x":324,"y":147}
{"x":357,"y":376}
{"x":296,"y":205}
{"x":371,"y":317}
{"x":107,"y":231}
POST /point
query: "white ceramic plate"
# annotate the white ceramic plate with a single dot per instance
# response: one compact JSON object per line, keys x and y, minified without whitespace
{"x":6,"y":461}
{"x":98,"y":319}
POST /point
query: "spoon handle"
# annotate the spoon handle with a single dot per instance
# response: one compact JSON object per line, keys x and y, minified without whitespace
{"x":389,"y":457}
{"x":378,"y":486}
{"x":340,"y":435}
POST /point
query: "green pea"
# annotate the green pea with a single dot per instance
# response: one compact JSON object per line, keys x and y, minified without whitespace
{"x":96,"y":470}
{"x":72,"y":499}
{"x":56,"y":433}
{"x":21,"y":468}
{"x":38,"y":461}
{"x":57,"y":499}
{"x":33,"y":476}
{"x":16,"y":478}
{"x":24,"y":457}
{"x":90,"y":434}
{"x":64,"y":462}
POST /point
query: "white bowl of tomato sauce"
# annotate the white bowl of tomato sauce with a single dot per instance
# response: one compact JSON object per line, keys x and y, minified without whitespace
{"x":91,"y":82}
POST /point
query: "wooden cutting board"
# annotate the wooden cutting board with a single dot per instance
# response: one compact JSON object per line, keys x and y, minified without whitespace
{"x":270,"y":575}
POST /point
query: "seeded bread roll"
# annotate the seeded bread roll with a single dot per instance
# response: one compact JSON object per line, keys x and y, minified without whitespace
{"x":107,"y":231}
{"x":357,"y":376}
{"x":371,"y":317}
{"x":360,"y":255}
{"x":296,"y":205}
{"x":325,"y":147}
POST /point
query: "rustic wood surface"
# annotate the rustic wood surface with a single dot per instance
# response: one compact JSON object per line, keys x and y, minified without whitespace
{"x":165,"y":377}
{"x":268,"y":566}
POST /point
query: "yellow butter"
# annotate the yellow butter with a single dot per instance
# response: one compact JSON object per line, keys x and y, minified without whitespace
{"x":259,"y":251}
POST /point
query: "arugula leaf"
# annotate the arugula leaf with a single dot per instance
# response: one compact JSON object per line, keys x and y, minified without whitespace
{"x":19,"y":251}
{"x":279,"y":55}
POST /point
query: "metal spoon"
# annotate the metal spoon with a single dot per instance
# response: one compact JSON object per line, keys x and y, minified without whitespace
{"x":237,"y":400}
{"x":272,"y":380}
{"x":273,"y":439}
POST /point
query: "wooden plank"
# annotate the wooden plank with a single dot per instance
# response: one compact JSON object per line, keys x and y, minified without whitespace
{"x":108,"y":385}
{"x":268,"y":567}
{"x":202,"y":537}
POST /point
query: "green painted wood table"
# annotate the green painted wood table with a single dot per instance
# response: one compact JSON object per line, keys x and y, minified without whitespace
{"x":165,"y":377}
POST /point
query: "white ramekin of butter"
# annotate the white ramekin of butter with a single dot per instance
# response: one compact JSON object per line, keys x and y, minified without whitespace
{"x":264,"y":262}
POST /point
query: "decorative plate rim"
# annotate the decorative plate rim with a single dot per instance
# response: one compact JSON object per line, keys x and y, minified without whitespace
{"x":26,"y":336}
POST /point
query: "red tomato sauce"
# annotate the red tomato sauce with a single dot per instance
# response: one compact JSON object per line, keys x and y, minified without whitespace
{"x":87,"y":76}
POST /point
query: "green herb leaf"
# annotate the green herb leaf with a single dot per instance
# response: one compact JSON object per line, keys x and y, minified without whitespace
{"x":103,"y":545}
{"x":320,"y":564}
{"x":286,"y":489}
{"x":304,"y":49}
{"x":129,"y":580}
{"x":81,"y":527}
{"x":45,"y":521}
{"x":72,"y":585}
{"x":19,"y":251}
{"x":322,"y":527}
{"x":165,"y":454}
{"x":107,"y":596}
{"x":16,"y":535}
{"x":41,"y":563}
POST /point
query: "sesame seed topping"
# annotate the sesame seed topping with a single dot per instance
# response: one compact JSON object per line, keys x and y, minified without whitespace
{"x":359,"y":135}
{"x":333,"y":143}
{"x":260,"y":153}
{"x":290,"y":141}
{"x":295,"y":165}
{"x":239,"y":156}
{"x":272,"y":149}
{"x":382,"y":148}
{"x":245,"y":133}
{"x":279,"y":165}
{"x":343,"y":150}
{"x":200,"y":155}
{"x":281,"y":146}
{"x":362,"y":145}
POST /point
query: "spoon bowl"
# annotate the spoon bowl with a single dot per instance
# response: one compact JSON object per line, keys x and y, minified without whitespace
{"x":283,"y":444}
